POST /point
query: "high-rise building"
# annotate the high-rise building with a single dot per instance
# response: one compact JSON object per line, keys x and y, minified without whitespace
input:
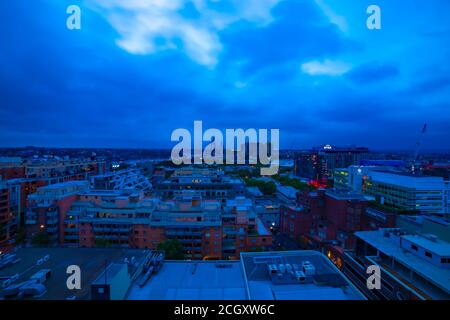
{"x":319,"y":163}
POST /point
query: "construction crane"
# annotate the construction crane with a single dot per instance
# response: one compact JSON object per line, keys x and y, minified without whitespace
{"x":417,"y":149}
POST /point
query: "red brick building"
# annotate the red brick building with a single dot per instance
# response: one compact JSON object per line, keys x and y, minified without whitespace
{"x":47,"y":209}
{"x":205,"y":229}
{"x":5,"y":217}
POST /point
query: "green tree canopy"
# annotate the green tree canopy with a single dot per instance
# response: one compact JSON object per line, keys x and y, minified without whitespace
{"x":173,"y":249}
{"x":40,"y":240}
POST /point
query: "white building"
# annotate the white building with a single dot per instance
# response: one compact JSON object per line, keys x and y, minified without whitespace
{"x":407,"y":192}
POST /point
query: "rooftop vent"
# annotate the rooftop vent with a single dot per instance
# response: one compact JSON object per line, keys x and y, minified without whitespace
{"x":431,"y":237}
{"x":308,"y":268}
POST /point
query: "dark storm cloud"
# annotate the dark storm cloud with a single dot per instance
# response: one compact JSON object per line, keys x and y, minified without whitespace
{"x":81,"y":88}
{"x":300,"y":32}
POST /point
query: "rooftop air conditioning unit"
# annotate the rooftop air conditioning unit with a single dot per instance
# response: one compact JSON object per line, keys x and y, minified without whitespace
{"x":308,"y":268}
{"x":272,"y":269}
{"x":300,"y":276}
{"x":289,"y":268}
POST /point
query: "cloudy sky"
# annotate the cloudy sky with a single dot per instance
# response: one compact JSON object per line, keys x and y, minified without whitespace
{"x":139,"y":69}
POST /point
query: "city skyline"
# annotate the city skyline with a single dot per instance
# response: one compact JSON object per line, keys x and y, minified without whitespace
{"x":137,"y":70}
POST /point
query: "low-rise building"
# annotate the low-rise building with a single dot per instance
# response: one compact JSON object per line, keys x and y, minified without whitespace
{"x":293,"y":275}
{"x":425,"y":224}
{"x":413,"y":266}
{"x":128,"y":179}
{"x":269,"y":212}
{"x":48,"y":207}
{"x":286,"y":194}
{"x":111,"y":218}
{"x":210,"y":184}
{"x":408,"y":193}
{"x":6,"y":218}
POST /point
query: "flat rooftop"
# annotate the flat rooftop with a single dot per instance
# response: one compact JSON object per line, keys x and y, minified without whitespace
{"x":193,"y":280}
{"x":247,"y":279}
{"x":75,"y":183}
{"x":345,"y":195}
{"x":328,"y":284}
{"x":90,"y":260}
{"x":440,"y":277}
{"x":261,"y":228}
{"x":407,"y":180}
{"x":442,"y":248}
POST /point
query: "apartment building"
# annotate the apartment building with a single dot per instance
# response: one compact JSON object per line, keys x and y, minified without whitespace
{"x":242,"y":229}
{"x":73,"y":169}
{"x":210,"y":184}
{"x":47,"y":209}
{"x":128,"y":179}
{"x":111,"y":218}
{"x":6,"y":219}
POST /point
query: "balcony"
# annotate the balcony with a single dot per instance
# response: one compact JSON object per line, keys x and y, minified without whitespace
{"x":184,"y":233}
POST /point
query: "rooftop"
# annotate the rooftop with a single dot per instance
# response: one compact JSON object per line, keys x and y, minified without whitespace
{"x":437,"y":246}
{"x":73,"y":183}
{"x":327,"y":283}
{"x":407,"y":180}
{"x":287,"y":191}
{"x":440,"y":277}
{"x":262,"y":230}
{"x":247,"y":279}
{"x":189,"y":280}
{"x":345,"y":195}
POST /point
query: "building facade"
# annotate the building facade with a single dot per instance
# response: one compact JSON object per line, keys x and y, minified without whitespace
{"x":319,"y":163}
{"x":408,"y":193}
{"x":413,"y":266}
{"x":47,"y":209}
{"x":210,"y":184}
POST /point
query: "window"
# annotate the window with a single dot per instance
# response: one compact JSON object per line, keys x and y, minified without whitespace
{"x":428,"y":254}
{"x":414,"y":247}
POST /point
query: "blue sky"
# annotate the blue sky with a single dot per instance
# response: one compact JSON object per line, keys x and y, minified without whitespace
{"x":139,"y":69}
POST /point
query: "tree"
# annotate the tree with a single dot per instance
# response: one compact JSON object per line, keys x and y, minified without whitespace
{"x":295,"y":183}
{"x":40,"y":240}
{"x":173,"y":249}
{"x":20,"y":236}
{"x":102,"y":243}
{"x":268,"y":188}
